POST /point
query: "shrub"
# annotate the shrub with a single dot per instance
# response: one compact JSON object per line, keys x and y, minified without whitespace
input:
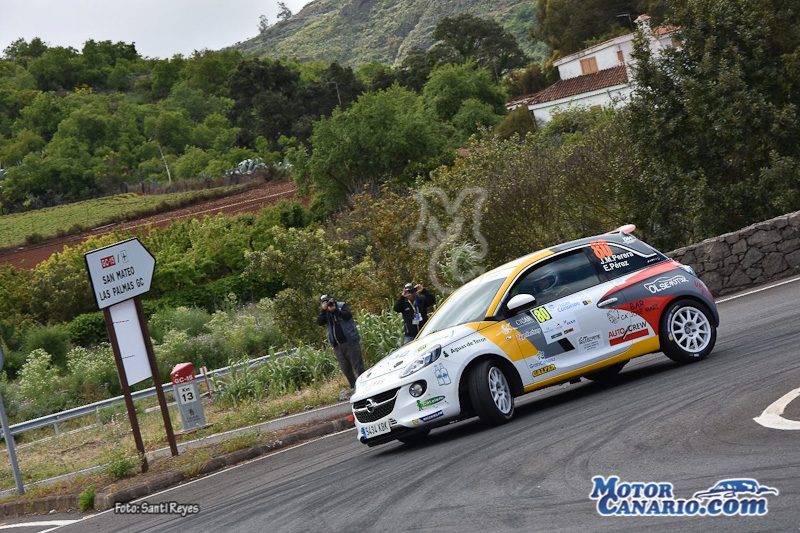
{"x":93,"y":373}
{"x":381,"y":333}
{"x":190,"y":320}
{"x":39,"y":383}
{"x":51,"y":339}
{"x":86,"y":499}
{"x":239,"y":386}
{"x":87,"y":329}
{"x":121,"y":465}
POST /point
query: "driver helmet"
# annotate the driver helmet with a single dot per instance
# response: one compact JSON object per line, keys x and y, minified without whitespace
{"x":545,"y":281}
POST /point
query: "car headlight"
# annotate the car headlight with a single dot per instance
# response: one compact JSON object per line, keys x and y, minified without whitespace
{"x":422,"y":361}
{"x":688,"y":269}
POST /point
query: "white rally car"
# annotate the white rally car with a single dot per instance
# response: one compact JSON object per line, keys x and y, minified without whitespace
{"x":583,"y":308}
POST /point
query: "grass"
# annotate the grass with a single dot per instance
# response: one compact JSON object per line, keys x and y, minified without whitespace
{"x":33,"y":226}
{"x":71,"y":452}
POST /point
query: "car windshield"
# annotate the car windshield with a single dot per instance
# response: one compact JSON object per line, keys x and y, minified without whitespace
{"x":467,"y":304}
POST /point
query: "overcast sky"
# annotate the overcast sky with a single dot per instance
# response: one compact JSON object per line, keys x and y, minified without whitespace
{"x":160,"y":28}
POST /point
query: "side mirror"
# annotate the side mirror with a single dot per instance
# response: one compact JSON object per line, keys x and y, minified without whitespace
{"x":519,"y":301}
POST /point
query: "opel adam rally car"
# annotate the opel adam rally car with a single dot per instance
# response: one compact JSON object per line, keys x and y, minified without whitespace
{"x":580,"y":309}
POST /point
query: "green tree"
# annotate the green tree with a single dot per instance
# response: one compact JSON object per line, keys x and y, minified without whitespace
{"x":481,"y":40}
{"x":384,"y":136}
{"x":714,"y":123}
{"x":571,"y":25}
{"x":452,"y":85}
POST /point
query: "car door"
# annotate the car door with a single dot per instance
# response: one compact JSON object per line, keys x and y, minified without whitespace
{"x":566,"y":329}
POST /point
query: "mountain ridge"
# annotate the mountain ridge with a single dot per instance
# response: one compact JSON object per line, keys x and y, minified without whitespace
{"x":353,"y":32}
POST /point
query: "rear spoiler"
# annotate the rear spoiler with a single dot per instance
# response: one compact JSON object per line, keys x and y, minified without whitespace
{"x":627,"y":228}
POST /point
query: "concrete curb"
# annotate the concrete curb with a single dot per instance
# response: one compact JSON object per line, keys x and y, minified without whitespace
{"x":106,"y":500}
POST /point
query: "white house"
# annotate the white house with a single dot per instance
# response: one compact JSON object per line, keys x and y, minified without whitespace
{"x":596,"y":77}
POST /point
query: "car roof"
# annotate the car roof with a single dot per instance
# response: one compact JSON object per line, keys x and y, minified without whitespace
{"x":521,"y":263}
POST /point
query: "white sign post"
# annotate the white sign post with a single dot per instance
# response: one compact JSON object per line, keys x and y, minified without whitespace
{"x":119,"y":274}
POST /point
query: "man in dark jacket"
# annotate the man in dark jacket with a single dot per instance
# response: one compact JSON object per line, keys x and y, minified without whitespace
{"x":343,"y":336}
{"x":413,"y":304}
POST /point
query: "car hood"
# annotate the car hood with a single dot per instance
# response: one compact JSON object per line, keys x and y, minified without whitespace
{"x":392,"y":365}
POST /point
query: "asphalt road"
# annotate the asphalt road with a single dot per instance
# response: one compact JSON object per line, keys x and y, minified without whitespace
{"x":687,"y":425}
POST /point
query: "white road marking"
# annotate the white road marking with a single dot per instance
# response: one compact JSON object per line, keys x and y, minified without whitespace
{"x":40,"y":524}
{"x":758,"y":290}
{"x":771,"y":417}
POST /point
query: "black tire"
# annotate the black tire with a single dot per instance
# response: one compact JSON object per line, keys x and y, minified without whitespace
{"x":490,"y":393}
{"x":607,"y":373}
{"x":415,"y":438}
{"x":686,"y":332}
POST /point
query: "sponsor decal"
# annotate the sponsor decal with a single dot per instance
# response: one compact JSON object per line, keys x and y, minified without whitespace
{"x":428,"y":418}
{"x":653,"y":259}
{"x":473,"y":342}
{"x":665,"y":282}
{"x":505,"y":329}
{"x":541,"y":314}
{"x":530,"y":333}
{"x":442,"y":376}
{"x":524,"y":319}
{"x":635,"y":305}
{"x":615,"y":316}
{"x":592,"y":341}
{"x":541,"y":356}
{"x":545,"y":370}
{"x":628,"y":239}
{"x":634,"y":331}
{"x":430,"y":401}
{"x":568,"y":331}
{"x":564,"y":306}
{"x":702,"y":289}
{"x":587,"y":301}
{"x":420,"y":348}
{"x":543,"y":363}
{"x":729,"y":497}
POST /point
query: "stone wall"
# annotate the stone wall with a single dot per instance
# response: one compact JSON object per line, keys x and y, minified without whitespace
{"x":757,"y":254}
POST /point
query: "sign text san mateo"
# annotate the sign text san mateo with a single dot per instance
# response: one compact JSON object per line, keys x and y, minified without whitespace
{"x":119,"y":272}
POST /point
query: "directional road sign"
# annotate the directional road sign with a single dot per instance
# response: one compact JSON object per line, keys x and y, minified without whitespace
{"x":119,"y":272}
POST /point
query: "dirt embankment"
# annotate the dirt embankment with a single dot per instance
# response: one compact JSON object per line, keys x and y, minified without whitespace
{"x":251,"y":200}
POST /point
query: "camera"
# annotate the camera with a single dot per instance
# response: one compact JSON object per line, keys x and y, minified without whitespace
{"x":330,"y":301}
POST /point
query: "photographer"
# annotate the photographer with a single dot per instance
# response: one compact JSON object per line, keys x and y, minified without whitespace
{"x":343,"y":336}
{"x":413,"y":304}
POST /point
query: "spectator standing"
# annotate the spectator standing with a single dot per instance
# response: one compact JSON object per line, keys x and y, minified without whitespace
{"x":413,"y":304}
{"x":343,"y":336}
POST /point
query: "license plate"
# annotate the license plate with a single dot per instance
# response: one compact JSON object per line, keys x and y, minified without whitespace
{"x":376,"y":428}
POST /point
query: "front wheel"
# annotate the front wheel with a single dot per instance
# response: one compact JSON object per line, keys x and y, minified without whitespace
{"x":490,"y":393}
{"x":686,"y":332}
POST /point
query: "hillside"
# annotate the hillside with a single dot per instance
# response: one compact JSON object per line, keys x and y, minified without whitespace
{"x":354,"y":32}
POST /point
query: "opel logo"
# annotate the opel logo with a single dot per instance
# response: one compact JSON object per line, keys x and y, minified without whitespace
{"x":371,"y":405}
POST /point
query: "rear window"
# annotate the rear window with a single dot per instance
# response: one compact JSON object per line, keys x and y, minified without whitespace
{"x":616,"y":261}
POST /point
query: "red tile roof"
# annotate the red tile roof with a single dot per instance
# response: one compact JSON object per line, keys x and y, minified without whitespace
{"x":581,"y":84}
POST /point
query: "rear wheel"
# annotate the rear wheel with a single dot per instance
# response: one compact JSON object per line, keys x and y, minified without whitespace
{"x":686,"y":332}
{"x":490,"y":393}
{"x":604,"y":374}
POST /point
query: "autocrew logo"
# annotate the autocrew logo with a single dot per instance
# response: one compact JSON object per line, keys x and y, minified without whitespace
{"x":664,"y":283}
{"x":728,"y":497}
